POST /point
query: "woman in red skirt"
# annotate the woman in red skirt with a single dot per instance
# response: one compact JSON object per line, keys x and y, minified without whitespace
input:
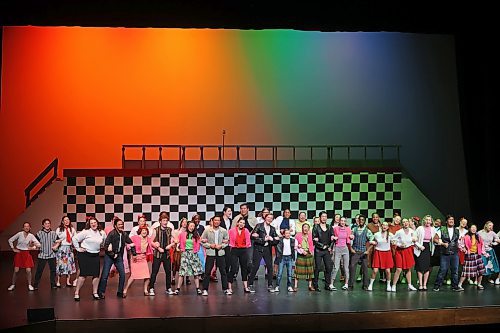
{"x":404,"y":240}
{"x":25,"y":241}
{"x":382,"y":255}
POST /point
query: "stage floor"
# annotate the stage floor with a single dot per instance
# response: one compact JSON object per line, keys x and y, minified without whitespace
{"x":188,"y":305}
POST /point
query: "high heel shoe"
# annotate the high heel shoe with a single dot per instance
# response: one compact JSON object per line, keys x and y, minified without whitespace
{"x":96,"y":296}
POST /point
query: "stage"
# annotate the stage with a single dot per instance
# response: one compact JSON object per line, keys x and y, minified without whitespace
{"x":303,"y":311}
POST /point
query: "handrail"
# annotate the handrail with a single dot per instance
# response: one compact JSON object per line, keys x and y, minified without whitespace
{"x":37,"y":180}
{"x":328,"y":153}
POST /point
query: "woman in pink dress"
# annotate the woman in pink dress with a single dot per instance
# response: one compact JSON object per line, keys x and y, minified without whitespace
{"x":139,"y":264}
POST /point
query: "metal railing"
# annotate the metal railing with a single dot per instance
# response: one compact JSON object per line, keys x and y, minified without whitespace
{"x":253,"y":156}
{"x":27,"y":192}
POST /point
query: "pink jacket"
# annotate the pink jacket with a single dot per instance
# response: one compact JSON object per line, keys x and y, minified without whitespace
{"x":182,"y":243}
{"x":468,"y":244}
{"x":349,"y":232}
{"x":137,"y":241}
{"x":233,"y":234}
{"x":298,"y":242}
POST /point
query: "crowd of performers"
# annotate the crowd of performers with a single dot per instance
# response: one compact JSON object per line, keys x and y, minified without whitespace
{"x":300,"y":249}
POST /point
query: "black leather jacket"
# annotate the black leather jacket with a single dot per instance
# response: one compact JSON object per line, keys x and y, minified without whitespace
{"x":317,"y":232}
{"x":261,"y":231}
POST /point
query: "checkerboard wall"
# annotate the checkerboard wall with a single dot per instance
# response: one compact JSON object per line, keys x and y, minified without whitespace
{"x":184,"y":194}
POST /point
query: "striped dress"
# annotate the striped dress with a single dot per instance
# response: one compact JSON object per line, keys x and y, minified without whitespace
{"x":304,"y":265}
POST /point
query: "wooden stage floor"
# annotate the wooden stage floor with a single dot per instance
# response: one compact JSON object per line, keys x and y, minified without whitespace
{"x":280,"y":312}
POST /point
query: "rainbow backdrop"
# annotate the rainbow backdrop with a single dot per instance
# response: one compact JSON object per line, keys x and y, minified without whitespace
{"x":80,"y":93}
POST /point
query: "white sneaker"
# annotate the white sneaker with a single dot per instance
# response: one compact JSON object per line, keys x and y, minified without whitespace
{"x":290,"y":289}
{"x":30,"y":288}
{"x":389,"y":288}
{"x":169,"y":291}
{"x":497,"y":281}
{"x":345,"y":287}
{"x":277,"y":289}
{"x":204,"y":293}
{"x":491,"y":281}
{"x":228,"y":292}
{"x":11,"y":287}
{"x":151,"y":292}
{"x":411,"y":287}
{"x":393,"y":288}
{"x":370,"y":288}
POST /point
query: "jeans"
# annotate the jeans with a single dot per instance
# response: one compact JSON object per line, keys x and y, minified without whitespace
{"x":448,"y":261}
{"x":288,"y":262}
{"x":108,"y":262}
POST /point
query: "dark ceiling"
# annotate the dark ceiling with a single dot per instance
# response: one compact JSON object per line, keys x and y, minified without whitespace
{"x":404,"y":16}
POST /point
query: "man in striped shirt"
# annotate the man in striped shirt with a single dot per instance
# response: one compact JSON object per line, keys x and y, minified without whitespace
{"x":47,"y":238}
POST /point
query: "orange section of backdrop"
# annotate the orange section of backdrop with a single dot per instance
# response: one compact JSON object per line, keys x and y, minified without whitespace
{"x":80,"y":93}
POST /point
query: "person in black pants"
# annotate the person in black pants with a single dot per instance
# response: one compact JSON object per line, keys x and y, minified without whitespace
{"x":265,"y":237}
{"x":239,"y":240}
{"x":162,"y":242}
{"x":322,"y":239}
{"x":47,"y":237}
{"x":226,"y":222}
{"x":215,"y":239}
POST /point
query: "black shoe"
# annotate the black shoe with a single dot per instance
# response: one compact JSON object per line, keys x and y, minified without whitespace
{"x":119,"y":294}
{"x":101,"y":296}
{"x":77,"y":298}
{"x":188,"y":281}
{"x":256,"y":278}
{"x":96,"y":297}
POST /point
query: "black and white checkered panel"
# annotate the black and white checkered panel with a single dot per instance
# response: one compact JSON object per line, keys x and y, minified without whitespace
{"x":347,"y":194}
{"x":182,"y":195}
